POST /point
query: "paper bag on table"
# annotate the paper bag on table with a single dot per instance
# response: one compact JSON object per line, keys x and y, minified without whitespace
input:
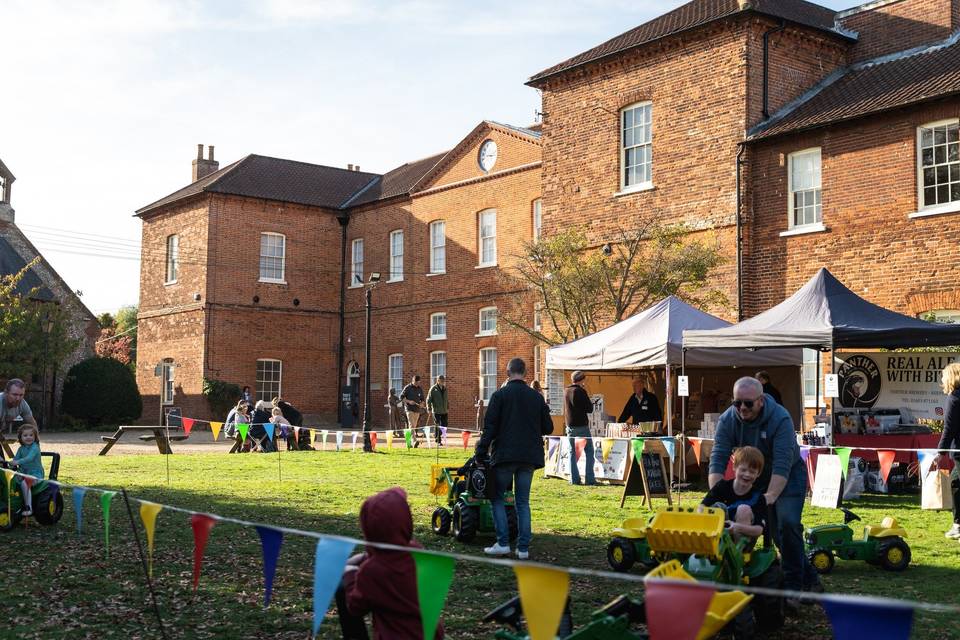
{"x":937,"y":493}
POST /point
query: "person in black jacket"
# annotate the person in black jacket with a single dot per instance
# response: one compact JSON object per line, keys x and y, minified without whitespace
{"x":295,"y":418}
{"x":768,"y":387}
{"x":577,"y":406}
{"x":516,"y":420}
{"x":951,"y":439}
{"x":261,"y":416}
{"x":642,"y":405}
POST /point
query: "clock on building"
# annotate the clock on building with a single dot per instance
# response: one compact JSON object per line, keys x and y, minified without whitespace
{"x":488,"y":155}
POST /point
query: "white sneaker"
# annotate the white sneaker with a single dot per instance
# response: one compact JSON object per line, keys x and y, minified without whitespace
{"x":497,"y":550}
{"x":523,"y":555}
{"x":953,"y":533}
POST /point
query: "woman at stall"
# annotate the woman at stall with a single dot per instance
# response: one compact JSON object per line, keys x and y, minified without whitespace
{"x":951,"y":439}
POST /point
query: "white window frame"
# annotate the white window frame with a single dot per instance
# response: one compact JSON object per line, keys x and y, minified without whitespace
{"x":943,"y":316}
{"x":554,"y":391}
{"x":924,"y":209}
{"x":282,"y":257}
{"x":438,"y":247}
{"x":396,"y":256}
{"x":167,"y":370}
{"x":173,"y":259}
{"x":488,"y":377}
{"x":435,"y":369}
{"x":537,"y":318}
{"x":438,"y":336}
{"x":537,"y":361}
{"x":487,"y":332}
{"x":260,"y":390}
{"x":492,"y":238}
{"x":818,"y":191}
{"x":356,"y":263}
{"x":625,"y":186}
{"x":392,"y":360}
{"x":809,"y":373}
{"x":537,"y":213}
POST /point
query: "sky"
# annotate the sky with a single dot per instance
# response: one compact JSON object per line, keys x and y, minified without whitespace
{"x":104,"y":103}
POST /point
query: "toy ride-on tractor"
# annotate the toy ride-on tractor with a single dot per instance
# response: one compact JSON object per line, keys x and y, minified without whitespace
{"x":46,"y":498}
{"x":469,"y":510}
{"x":883,"y":545}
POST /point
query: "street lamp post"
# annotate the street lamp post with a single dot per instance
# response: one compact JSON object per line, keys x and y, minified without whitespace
{"x":367,"y":418}
{"x":46,"y":325}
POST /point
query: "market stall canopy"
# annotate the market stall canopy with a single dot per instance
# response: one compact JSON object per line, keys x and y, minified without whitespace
{"x":825,"y":314}
{"x":653,"y":338}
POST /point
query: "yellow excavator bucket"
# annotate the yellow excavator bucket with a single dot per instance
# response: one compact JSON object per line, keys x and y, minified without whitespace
{"x":678,"y":530}
{"x":724,"y":606}
{"x":438,"y":484}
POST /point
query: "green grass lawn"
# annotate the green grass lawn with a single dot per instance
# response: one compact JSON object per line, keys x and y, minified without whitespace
{"x":57,"y":584}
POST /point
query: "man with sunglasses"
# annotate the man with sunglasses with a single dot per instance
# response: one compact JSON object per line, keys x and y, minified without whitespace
{"x":756,"y":420}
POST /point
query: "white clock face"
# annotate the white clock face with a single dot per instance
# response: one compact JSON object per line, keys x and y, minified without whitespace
{"x":488,"y":155}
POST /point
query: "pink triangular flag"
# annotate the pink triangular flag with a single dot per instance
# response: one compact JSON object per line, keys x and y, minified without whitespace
{"x":580,"y":444}
{"x":465,"y":436}
{"x":187,"y":424}
{"x":675,"y":611}
{"x":696,"y":443}
{"x":886,"y":462}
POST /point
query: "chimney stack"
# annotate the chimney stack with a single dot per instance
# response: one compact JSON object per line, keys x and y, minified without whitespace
{"x":349,"y":167}
{"x":202,"y":168}
{"x":356,"y":167}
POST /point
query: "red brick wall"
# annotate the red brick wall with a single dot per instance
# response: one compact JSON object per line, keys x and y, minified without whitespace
{"x":189,"y":222}
{"x":177,"y":335}
{"x":869,"y":186}
{"x":900,"y":25}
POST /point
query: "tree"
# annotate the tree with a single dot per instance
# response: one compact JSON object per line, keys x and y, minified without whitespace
{"x":24,"y":346}
{"x":118,"y":335}
{"x":576,"y":288}
{"x":127,"y":324}
{"x":101,"y":391}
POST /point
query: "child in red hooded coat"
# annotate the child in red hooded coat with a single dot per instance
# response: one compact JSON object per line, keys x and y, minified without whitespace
{"x":381,"y":581}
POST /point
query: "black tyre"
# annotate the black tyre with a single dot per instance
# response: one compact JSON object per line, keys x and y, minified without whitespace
{"x":743,"y":627}
{"x":769,"y":610}
{"x":513,"y":522}
{"x":821,"y":560}
{"x":48,"y":507}
{"x":440,"y":522}
{"x":621,"y":554}
{"x":8,"y":520}
{"x":465,"y":521}
{"x":894,"y":554}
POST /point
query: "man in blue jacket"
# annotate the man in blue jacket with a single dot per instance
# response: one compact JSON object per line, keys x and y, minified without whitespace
{"x":756,"y":420}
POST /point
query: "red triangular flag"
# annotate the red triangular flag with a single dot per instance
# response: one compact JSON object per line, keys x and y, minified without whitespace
{"x":28,"y":480}
{"x":696,"y":444}
{"x":373,"y":439}
{"x":465,"y":436}
{"x":201,"y":530}
{"x":886,"y":463}
{"x":675,"y":611}
{"x":579,"y":444}
{"x":187,"y":424}
{"x":729,"y":473}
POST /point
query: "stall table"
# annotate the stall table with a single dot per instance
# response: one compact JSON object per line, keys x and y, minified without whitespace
{"x":905,"y":441}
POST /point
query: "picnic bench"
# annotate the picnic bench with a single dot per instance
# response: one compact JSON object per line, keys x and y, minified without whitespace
{"x":155,"y":434}
{"x":5,"y":442}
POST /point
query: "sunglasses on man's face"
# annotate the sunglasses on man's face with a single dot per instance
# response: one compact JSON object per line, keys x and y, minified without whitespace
{"x":744,"y":403}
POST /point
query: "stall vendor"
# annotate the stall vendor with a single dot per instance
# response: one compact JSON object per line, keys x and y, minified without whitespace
{"x":642,"y":405}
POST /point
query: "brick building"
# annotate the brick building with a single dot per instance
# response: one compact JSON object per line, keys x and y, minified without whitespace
{"x":796,"y":136}
{"x":255,"y":274}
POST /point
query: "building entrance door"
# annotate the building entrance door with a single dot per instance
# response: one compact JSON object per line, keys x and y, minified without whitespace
{"x":350,"y":402}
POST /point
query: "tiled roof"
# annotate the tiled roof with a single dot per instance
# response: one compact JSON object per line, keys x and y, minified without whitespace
{"x":11,"y":263}
{"x":276,"y":179}
{"x":891,"y":81}
{"x":396,"y":182}
{"x":694,"y":14}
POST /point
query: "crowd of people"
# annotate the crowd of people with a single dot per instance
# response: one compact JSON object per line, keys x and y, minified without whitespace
{"x":280,"y":413}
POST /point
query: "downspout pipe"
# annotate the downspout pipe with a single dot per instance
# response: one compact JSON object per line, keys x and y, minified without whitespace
{"x":343,"y":220}
{"x":766,"y":66}
{"x":741,"y":147}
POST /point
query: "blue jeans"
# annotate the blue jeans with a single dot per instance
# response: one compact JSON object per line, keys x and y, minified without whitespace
{"x":580,"y":432}
{"x":521,"y":475}
{"x":787,"y":531}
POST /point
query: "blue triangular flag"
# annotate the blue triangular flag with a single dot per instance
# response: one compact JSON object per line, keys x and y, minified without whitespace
{"x":858,"y":620}
{"x":926,"y":458}
{"x":78,"y":493}
{"x":339,"y":439}
{"x":331,"y":556}
{"x":269,"y":427}
{"x":670,"y":446}
{"x":270,"y":540}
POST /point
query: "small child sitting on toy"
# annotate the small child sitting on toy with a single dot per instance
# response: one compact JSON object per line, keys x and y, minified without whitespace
{"x":381,"y":581}
{"x":27,"y":461}
{"x":746,"y":507}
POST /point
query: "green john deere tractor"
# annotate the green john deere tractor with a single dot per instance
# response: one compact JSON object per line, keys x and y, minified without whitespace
{"x":468,"y":511}
{"x":46,"y":498}
{"x":882,"y":545}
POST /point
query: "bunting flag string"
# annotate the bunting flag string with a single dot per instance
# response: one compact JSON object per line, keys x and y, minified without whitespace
{"x":105,"y":499}
{"x":844,"y":454}
{"x":886,"y":463}
{"x":354,"y":440}
{"x":579,"y":445}
{"x":242,"y":429}
{"x":638,"y":449}
{"x":434,"y":577}
{"x":543,"y":596}
{"x":389,"y":437}
{"x":201,"y":525}
{"x":926,"y":458}
{"x":323,"y":435}
{"x":428,"y":431}
{"x":670,"y":446}
{"x":328,"y":563}
{"x":269,"y":428}
{"x":215,"y":429}
{"x":857,"y":620}
{"x":675,"y":611}
{"x":408,"y":438}
{"x":465,"y":436}
{"x":78,"y":493}
{"x":696,"y":443}
{"x":187,"y":425}
{"x":148,"y":513}
{"x":373,"y":440}
{"x":443,"y":436}
{"x":270,"y":540}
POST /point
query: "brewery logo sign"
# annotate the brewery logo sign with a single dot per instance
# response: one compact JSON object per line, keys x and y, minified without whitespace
{"x":860,"y":382}
{"x":894,"y":380}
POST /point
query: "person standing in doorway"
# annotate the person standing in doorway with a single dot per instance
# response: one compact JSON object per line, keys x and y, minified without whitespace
{"x":577,"y":406}
{"x":437,"y":404}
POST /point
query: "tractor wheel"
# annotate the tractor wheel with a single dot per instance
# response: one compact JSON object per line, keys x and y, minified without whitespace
{"x":7,"y":523}
{"x":894,"y":554}
{"x":441,"y":521}
{"x":513,"y":523}
{"x":465,"y":522}
{"x":48,"y":507}
{"x":768,"y":610}
{"x":621,"y":554}
{"x":821,"y":560}
{"x":743,"y":626}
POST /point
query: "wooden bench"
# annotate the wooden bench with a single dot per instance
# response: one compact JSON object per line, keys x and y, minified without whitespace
{"x":5,"y":442}
{"x":155,"y":434}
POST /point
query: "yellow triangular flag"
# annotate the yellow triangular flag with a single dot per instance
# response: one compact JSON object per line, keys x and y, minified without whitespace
{"x":9,"y":473}
{"x":607,"y":447}
{"x":148,"y":513}
{"x":543,"y":596}
{"x":389,"y":439}
{"x":313,"y":436}
{"x":215,"y":428}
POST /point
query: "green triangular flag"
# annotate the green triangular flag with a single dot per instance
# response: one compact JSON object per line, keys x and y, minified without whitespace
{"x":408,"y":436}
{"x":434,"y":575}
{"x":105,"y":504}
{"x":243,"y":428}
{"x":638,"y":449}
{"x":844,"y":453}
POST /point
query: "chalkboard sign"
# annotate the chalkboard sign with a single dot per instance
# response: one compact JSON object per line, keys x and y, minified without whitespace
{"x":648,"y":479}
{"x":174,"y":418}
